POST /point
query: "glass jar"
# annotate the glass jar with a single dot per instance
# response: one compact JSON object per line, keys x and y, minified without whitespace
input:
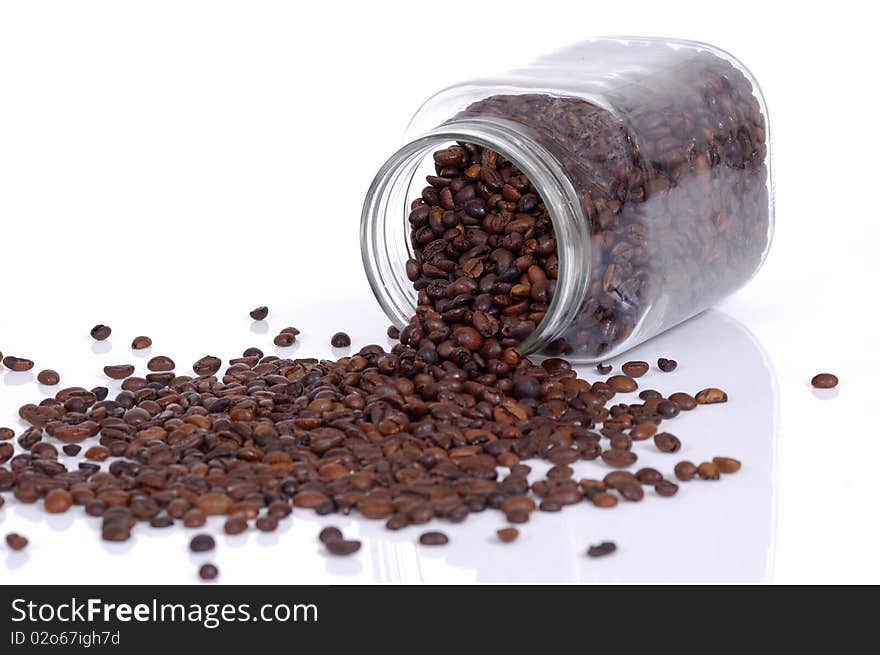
{"x":652,"y":157}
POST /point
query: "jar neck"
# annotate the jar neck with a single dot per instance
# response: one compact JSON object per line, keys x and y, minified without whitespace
{"x":385,"y":244}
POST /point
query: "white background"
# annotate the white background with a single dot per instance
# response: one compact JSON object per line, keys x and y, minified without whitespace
{"x":167,"y":166}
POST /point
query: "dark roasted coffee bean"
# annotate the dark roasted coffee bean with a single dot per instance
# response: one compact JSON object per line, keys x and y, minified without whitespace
{"x":329,"y":534}
{"x":343,"y":546}
{"x":160,"y":364}
{"x":6,"y":452}
{"x":622,"y":383}
{"x":141,"y":343}
{"x":207,"y":365}
{"x":48,"y":377}
{"x":259,"y":313}
{"x":824,"y":381}
{"x":393,"y":332}
{"x":433,"y":538}
{"x":17,"y":363}
{"x":161,"y":522}
{"x":635,"y":369}
{"x":710,"y":396}
{"x":201,"y":543}
{"x":666,"y":442}
{"x":667,"y":409}
{"x":602,"y":549}
{"x":71,"y":449}
{"x":119,"y":371}
{"x":208,"y":572}
{"x":340,"y":340}
{"x":100,"y":332}
{"x":284,"y":340}
{"x":6,"y":434}
{"x":604,"y":369}
{"x":15,"y":541}
{"x":667,"y":365}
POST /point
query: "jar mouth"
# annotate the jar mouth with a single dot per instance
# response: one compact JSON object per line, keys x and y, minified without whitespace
{"x":385,"y":244}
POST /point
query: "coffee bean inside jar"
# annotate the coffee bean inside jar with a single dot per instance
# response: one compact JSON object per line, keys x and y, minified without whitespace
{"x":583,"y":220}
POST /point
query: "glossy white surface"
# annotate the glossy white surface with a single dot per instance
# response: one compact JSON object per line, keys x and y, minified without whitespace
{"x":165,"y":170}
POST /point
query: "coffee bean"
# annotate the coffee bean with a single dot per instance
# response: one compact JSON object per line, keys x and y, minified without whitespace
{"x":393,"y":332}
{"x":6,"y":452}
{"x":666,"y":442}
{"x":58,"y":501}
{"x":340,"y":340}
{"x":266,"y":524}
{"x":208,"y":572}
{"x":100,"y":332}
{"x":161,"y":522}
{"x":708,"y":471}
{"x":343,"y":546}
{"x":141,"y":343}
{"x":684,"y":401}
{"x":649,"y":475}
{"x":329,"y":534}
{"x":824,"y":381}
{"x":433,"y":538}
{"x":115,"y":531}
{"x":667,"y":365}
{"x":685,"y":471}
{"x":207,"y":366}
{"x":602,"y":549}
{"x":635,"y":369}
{"x":214,"y":504}
{"x":643,"y":431}
{"x":604,"y":499}
{"x":284,"y":340}
{"x":506,"y":535}
{"x":17,"y":363}
{"x":665,"y":488}
{"x":6,"y":434}
{"x":119,"y":371}
{"x":48,"y":377}
{"x":15,"y":541}
{"x":260,"y":313}
{"x":604,"y":369}
{"x":194,"y":518}
{"x":160,"y":363}
{"x":235,"y":525}
{"x":71,"y":449}
{"x":619,"y":458}
{"x":201,"y":543}
{"x":622,"y":383}
{"x":710,"y":396}
{"x":727,"y":464}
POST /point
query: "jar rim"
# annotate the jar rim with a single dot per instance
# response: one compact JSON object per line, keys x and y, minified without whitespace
{"x":387,"y":196}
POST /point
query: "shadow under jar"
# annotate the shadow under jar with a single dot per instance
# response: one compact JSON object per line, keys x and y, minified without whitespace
{"x":652,"y":159}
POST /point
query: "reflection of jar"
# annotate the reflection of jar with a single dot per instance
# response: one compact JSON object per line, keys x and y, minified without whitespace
{"x":652,"y":157}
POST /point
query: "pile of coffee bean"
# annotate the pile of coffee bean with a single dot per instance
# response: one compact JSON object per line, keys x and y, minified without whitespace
{"x":673,"y":187}
{"x":436,"y":428}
